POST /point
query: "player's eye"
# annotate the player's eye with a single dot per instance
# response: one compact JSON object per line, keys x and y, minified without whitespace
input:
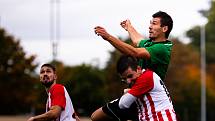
{"x":42,"y":71}
{"x":48,"y":71}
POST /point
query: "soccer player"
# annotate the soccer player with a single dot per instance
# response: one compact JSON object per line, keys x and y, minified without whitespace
{"x":147,"y":90}
{"x":153,"y":53}
{"x":59,"y":105}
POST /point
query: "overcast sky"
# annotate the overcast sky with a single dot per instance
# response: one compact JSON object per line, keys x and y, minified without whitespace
{"x":29,"y":21}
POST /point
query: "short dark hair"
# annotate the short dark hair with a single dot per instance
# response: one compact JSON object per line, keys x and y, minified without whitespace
{"x":50,"y":66}
{"x":125,"y":62}
{"x":166,"y":20}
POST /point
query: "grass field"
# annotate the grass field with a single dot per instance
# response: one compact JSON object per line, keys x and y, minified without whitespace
{"x":24,"y":118}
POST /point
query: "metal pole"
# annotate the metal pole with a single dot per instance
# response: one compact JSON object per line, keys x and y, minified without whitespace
{"x":54,"y":26}
{"x":57,"y":27}
{"x":203,"y":75}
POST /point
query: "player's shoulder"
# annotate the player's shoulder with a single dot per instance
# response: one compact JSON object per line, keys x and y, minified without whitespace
{"x":146,"y":74}
{"x":166,"y":43}
{"x":161,"y":47}
{"x":149,"y":74}
{"x":57,"y":87}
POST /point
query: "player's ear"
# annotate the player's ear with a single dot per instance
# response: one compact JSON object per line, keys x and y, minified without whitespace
{"x":55,"y":76}
{"x":165,"y":28}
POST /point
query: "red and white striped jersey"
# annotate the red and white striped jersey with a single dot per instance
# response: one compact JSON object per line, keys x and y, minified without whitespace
{"x":58,"y":95}
{"x":153,"y":99}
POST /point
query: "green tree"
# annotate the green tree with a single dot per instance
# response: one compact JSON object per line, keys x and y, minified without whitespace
{"x":194,"y":33}
{"x":183,"y":82}
{"x":17,"y":76}
{"x":113,"y":85}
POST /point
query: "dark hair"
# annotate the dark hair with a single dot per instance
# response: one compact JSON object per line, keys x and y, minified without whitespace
{"x":125,"y":62}
{"x":49,"y":65}
{"x":166,"y":20}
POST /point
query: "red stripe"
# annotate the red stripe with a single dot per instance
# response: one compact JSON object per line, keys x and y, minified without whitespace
{"x":168,"y":115}
{"x":152,"y":107}
{"x":146,"y":110}
{"x":160,"y":117}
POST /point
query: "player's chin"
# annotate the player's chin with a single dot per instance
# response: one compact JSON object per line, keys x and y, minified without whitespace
{"x":151,"y":37}
{"x":47,"y":83}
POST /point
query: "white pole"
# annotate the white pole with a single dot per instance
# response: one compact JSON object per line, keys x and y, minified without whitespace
{"x":54,"y":26}
{"x":203,"y":75}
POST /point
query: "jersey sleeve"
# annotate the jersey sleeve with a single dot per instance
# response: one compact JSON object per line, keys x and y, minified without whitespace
{"x":58,"y":97}
{"x":143,"y":84}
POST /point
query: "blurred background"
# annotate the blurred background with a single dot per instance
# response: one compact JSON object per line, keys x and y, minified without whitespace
{"x":33,"y":32}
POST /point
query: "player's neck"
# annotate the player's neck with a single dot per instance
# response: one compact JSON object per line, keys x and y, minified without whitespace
{"x":48,"y":88}
{"x":159,"y":39}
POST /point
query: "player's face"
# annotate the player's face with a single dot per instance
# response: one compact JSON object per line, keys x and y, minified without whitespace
{"x":155,"y":29}
{"x":47,"y":76}
{"x":130,"y":75}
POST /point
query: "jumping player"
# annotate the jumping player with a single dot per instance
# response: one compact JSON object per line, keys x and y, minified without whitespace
{"x":153,"y":53}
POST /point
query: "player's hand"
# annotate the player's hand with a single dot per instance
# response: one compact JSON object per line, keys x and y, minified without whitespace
{"x":125,"y":24}
{"x":100,"y":31}
{"x":126,"y":90}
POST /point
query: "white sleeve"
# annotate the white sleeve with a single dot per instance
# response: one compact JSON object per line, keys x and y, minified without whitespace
{"x":126,"y":100}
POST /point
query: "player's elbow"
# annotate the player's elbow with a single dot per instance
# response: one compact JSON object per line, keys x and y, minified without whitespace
{"x":54,"y":115}
{"x":54,"y":112}
{"x":141,"y":53}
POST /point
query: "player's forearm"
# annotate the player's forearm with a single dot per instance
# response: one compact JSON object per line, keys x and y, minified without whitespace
{"x":134,"y":35}
{"x":122,"y":46}
{"x":53,"y":113}
{"x":44,"y":117}
{"x":128,"y":49}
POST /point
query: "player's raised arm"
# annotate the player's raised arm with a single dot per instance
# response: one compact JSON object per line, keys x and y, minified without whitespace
{"x":120,"y":45}
{"x":134,"y":35}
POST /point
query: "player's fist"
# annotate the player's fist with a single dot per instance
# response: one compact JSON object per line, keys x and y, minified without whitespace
{"x":125,"y":24}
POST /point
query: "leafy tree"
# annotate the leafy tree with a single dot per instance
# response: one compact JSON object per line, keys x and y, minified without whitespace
{"x":17,"y":76}
{"x":194,"y":33}
{"x":183,"y":81}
